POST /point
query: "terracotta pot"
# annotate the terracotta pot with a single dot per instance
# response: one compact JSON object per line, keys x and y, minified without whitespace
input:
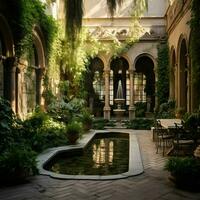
{"x":72,"y":138}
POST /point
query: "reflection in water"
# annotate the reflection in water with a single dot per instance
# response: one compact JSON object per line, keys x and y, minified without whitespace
{"x":103,"y":153}
{"x":106,"y":154}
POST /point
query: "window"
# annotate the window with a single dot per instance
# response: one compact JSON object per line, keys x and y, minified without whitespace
{"x":139,"y":87}
{"x":98,"y":84}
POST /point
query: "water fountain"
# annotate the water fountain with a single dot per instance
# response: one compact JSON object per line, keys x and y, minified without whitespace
{"x":119,"y":100}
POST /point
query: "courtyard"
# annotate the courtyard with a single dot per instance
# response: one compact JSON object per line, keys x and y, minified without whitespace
{"x":129,"y":70}
{"x":153,"y":184}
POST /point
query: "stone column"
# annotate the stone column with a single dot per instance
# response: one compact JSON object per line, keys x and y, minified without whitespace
{"x":107,"y":95}
{"x":9,"y":90}
{"x":40,"y":98}
{"x":131,"y":105}
{"x":176,"y":83}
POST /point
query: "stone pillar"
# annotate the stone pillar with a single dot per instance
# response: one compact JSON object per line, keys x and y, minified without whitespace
{"x":41,"y":99}
{"x":107,"y":95}
{"x":131,"y":105}
{"x":9,"y":89}
{"x":176,"y":83}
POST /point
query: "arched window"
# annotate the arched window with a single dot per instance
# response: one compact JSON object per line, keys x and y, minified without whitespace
{"x":32,"y":81}
{"x":144,"y":81}
{"x":119,"y":74}
{"x":96,"y":68}
{"x":139,"y":87}
{"x":98,"y":84}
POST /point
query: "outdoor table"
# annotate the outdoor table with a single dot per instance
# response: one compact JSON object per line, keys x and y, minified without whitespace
{"x":169,"y":123}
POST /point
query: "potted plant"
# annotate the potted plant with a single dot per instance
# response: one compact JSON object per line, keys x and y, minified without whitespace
{"x":86,"y":120}
{"x":73,"y":132}
{"x":185,"y":172}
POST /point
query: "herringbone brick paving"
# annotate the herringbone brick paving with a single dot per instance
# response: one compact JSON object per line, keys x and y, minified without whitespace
{"x":153,"y":184}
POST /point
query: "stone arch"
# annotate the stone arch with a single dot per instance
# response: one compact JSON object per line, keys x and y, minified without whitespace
{"x":29,"y":79}
{"x":183,"y":73}
{"x":38,"y":41}
{"x":7,"y":61}
{"x":119,"y":69}
{"x":96,"y":85}
{"x":7,"y":36}
{"x":143,"y":55}
{"x":39,"y":51}
{"x":103,"y":59}
{"x":144,"y":66}
{"x":172,"y":73}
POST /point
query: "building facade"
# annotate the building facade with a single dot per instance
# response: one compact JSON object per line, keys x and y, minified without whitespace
{"x":178,"y":29}
{"x":136,"y":68}
{"x":130,"y":76}
{"x":21,"y":77}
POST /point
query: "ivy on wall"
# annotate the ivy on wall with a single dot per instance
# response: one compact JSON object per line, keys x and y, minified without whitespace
{"x":22,"y":15}
{"x":195,"y":47}
{"x":163,"y":73}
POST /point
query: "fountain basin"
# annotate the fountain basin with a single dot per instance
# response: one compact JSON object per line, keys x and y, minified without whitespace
{"x":119,"y":101}
{"x":119,"y":112}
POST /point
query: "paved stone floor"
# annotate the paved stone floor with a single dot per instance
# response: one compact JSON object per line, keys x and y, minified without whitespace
{"x":153,"y":184}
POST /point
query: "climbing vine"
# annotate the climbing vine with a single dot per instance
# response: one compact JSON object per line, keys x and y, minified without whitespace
{"x":163,"y":74}
{"x":68,"y":62}
{"x":195,"y":46}
{"x":22,"y":15}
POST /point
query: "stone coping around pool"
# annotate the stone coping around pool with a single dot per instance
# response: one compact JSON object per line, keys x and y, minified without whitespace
{"x":135,"y":161}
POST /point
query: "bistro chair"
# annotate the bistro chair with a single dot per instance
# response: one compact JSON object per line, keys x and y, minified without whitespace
{"x":183,"y":140}
{"x":163,"y":138}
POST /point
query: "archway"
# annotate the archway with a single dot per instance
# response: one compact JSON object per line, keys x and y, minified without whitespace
{"x":119,"y":75}
{"x":30,"y":75}
{"x":94,"y":81}
{"x":32,"y":81}
{"x":7,"y":70}
{"x":144,"y":82}
{"x":183,"y":75}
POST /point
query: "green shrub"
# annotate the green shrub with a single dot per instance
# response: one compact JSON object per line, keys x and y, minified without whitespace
{"x":41,"y":132}
{"x":6,"y":123}
{"x":17,"y":163}
{"x":99,"y":124}
{"x":140,"y":124}
{"x":66,"y":111}
{"x":185,"y":172}
{"x":140,"y":109}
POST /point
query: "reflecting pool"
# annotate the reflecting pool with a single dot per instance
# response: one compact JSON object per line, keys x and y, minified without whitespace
{"x":106,"y":154}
